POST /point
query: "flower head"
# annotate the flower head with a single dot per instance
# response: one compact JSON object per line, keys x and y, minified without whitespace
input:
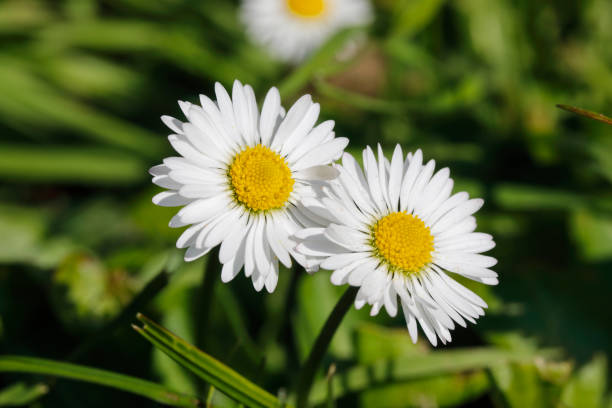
{"x":396,"y":231}
{"x":241,"y":177}
{"x":292,"y":29}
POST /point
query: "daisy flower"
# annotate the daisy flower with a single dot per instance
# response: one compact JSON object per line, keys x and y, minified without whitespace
{"x":394,"y":230}
{"x":292,"y":29}
{"x":241,"y":176}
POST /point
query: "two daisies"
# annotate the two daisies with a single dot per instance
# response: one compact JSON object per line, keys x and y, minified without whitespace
{"x":263,"y":186}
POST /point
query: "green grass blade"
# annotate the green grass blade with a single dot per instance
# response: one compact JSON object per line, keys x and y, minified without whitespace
{"x":206,"y":367}
{"x":70,"y":165}
{"x":126,"y":383}
{"x":319,"y":61}
{"x":388,"y":371}
{"x":22,"y":394}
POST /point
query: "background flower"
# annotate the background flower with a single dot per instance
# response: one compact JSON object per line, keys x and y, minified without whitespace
{"x":292,"y":29}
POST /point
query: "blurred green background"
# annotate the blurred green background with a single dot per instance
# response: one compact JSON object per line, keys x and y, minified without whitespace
{"x":473,"y":83}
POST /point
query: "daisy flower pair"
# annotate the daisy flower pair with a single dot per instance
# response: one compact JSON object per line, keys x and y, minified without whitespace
{"x":262,"y":185}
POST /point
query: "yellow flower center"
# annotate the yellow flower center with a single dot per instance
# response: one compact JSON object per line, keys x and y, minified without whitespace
{"x":260,"y":178}
{"x":403,"y":241}
{"x":306,"y":8}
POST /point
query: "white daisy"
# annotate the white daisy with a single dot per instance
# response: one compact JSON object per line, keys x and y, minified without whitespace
{"x":397,"y":231}
{"x":241,"y":176}
{"x":292,"y":29}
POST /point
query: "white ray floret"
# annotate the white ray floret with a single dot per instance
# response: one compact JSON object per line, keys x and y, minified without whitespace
{"x":241,"y":177}
{"x":292,"y":29}
{"x":396,"y":232}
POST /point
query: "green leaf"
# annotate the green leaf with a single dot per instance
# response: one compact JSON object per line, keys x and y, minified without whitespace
{"x":311,"y":316}
{"x":175,"y":43}
{"x":318,"y":61}
{"x":69,"y":165}
{"x":520,"y":385}
{"x":31,"y":104}
{"x":150,"y":390}
{"x":376,"y":342}
{"x":442,"y":391}
{"x":412,"y":16}
{"x":586,"y":389}
{"x":364,"y":377}
{"x":527,"y":197}
{"x":22,"y":394}
{"x":22,"y":15}
{"x":205,"y":366}
{"x":593,"y":234}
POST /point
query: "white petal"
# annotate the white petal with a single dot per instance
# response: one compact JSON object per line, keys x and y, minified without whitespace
{"x":319,"y":246}
{"x":274,"y":240}
{"x":390,"y":300}
{"x":291,"y":121}
{"x":188,"y":236}
{"x":270,"y":112}
{"x":371,"y":172}
{"x":245,"y":123}
{"x":395,"y":177}
{"x":303,"y":128}
{"x":159,"y":170}
{"x":166,"y":182}
{"x":272,"y":278}
{"x":410,"y":323}
{"x":432,"y":190}
{"x":414,"y":168}
{"x":457,"y":215}
{"x":347,"y":237}
{"x":322,"y":154}
{"x":382,"y":176}
{"x":186,"y":149}
{"x":317,"y":136}
{"x":421,"y":181}
{"x":261,"y":248}
{"x":170,"y":199}
{"x":341,"y":260}
{"x":340,"y":275}
{"x":231,"y":268}
{"x":249,"y":252}
{"x":203,"y":190}
{"x":317,"y":173}
{"x":174,"y":124}
{"x":452,"y":202}
{"x":234,"y":240}
{"x":203,"y":209}
{"x":194,"y":253}
{"x":360,"y":272}
{"x":223,"y":228}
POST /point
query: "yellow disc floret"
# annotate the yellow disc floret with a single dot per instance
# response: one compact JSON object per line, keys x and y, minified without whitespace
{"x":260,"y":178}
{"x":403,"y":241}
{"x":306,"y":8}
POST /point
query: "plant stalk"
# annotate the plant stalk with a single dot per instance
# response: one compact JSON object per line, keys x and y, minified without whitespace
{"x":204,"y":299}
{"x":309,"y":369}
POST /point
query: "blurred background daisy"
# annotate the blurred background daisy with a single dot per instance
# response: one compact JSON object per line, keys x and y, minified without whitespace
{"x":292,"y":29}
{"x":473,"y":83}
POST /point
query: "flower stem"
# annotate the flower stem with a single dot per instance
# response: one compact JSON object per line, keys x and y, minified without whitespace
{"x":204,"y":298}
{"x":309,"y":369}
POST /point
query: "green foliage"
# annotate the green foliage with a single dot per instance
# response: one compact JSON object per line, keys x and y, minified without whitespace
{"x":22,"y":393}
{"x":101,"y":377}
{"x":205,"y":366}
{"x":473,"y":83}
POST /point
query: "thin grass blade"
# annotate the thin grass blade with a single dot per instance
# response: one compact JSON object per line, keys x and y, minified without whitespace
{"x":206,"y":367}
{"x":147,"y":389}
